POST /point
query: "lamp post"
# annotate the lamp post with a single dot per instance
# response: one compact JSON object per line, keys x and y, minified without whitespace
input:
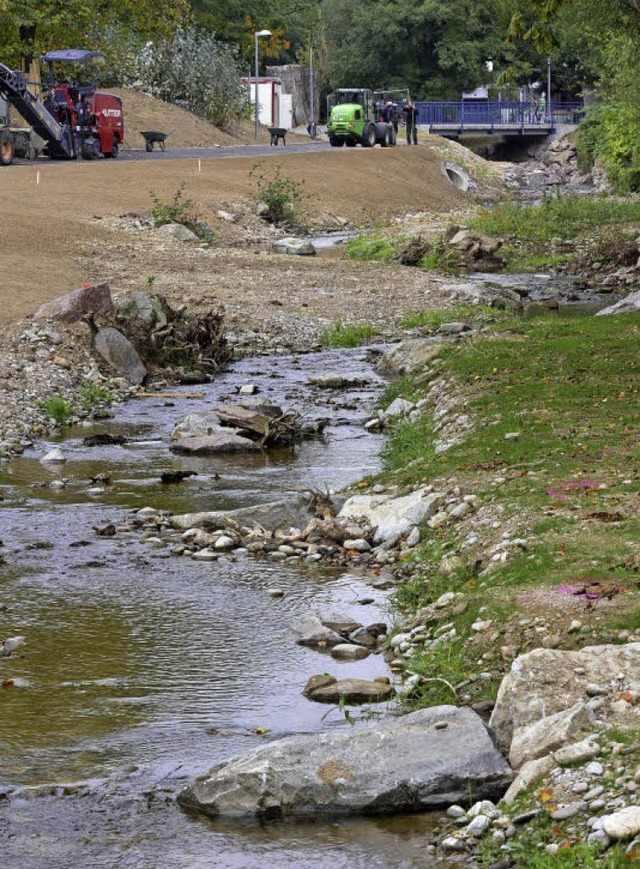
{"x":256,"y":35}
{"x":549,"y":90}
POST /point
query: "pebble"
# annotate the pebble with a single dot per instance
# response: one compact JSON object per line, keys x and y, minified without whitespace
{"x":478,"y":826}
{"x":275,"y":592}
{"x":569,"y":811}
{"x":456,"y":812}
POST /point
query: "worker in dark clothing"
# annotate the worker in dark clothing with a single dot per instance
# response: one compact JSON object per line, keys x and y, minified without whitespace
{"x":411,"y":114}
{"x":394,"y":116}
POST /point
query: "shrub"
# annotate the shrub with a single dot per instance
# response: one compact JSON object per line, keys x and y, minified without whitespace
{"x":176,"y":210}
{"x":371,"y":248}
{"x":58,"y":409}
{"x":279,"y":193}
{"x":341,"y":335}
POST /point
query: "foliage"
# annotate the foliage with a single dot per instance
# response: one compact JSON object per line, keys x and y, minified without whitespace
{"x":347,"y":334}
{"x":372,"y":248}
{"x":91,"y":395}
{"x":563,"y":217}
{"x":280,"y":193}
{"x":58,"y":409}
{"x":195,"y":69}
{"x":176,"y":210}
{"x":80,"y":23}
{"x":435,"y":317}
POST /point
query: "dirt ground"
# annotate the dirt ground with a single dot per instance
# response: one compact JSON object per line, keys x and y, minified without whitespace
{"x":67,"y":231}
{"x":186,"y":130}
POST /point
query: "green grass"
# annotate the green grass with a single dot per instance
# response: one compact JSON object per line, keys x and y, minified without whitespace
{"x":91,"y":395}
{"x":434,"y":319}
{"x":411,"y":442}
{"x":537,"y":261}
{"x":373,"y":248}
{"x":58,"y":409}
{"x":347,"y":334}
{"x":564,"y":217}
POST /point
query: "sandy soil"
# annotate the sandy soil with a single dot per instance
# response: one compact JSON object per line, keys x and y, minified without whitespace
{"x":186,"y":130}
{"x":66,"y":232}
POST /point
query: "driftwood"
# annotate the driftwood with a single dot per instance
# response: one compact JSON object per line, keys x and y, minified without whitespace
{"x":267,"y":425}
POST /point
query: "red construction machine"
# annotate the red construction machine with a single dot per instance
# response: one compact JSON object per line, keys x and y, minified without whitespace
{"x":74,"y":120}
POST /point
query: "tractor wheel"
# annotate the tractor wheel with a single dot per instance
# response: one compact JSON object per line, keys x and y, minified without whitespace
{"x":336,"y":143}
{"x":351,"y":143}
{"x":393,"y":139}
{"x":386,"y":142}
{"x":113,"y":153}
{"x":6,"y":148}
{"x":369,"y":136}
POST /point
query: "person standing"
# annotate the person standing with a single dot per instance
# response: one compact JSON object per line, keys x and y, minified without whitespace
{"x":394,"y":116}
{"x":411,"y":115}
{"x":535,"y":108}
{"x":542,"y":108}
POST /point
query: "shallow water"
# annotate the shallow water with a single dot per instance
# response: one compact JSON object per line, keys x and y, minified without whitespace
{"x":142,"y":669}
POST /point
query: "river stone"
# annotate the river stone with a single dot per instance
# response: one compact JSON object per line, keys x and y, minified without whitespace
{"x":54,"y":456}
{"x":624,"y":824}
{"x":349,"y":652}
{"x":341,"y":623}
{"x":544,"y":682}
{"x":399,"y":407}
{"x":410,"y":357}
{"x":120,"y":354}
{"x":396,"y":765}
{"x":392,"y":517}
{"x":177,"y":231}
{"x":548,"y":734}
{"x":629,"y":305}
{"x":485,"y":293}
{"x":355,"y":691}
{"x":295,"y":246}
{"x":199,"y":424}
{"x":528,"y":773}
{"x":70,"y":308}
{"x":271,"y":515}
{"x":313,"y":633}
{"x":144,"y":308}
{"x":209,"y":445}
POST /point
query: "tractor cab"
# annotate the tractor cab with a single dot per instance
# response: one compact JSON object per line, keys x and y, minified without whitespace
{"x":352,"y":120}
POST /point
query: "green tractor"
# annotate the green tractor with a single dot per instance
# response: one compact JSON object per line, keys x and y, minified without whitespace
{"x":353,"y":120}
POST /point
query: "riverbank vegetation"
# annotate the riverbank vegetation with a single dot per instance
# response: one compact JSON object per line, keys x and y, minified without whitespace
{"x":553,"y":457}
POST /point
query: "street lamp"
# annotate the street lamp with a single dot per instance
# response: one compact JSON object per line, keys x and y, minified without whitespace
{"x":549,"y":90}
{"x":256,"y":35}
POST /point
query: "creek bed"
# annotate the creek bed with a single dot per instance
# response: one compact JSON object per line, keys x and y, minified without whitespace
{"x":142,"y":669}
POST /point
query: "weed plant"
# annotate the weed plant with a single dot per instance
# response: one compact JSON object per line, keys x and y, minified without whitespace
{"x":176,"y":210}
{"x":58,"y":409}
{"x":372,"y":248}
{"x":92,"y":395}
{"x":347,"y":335}
{"x":279,"y":193}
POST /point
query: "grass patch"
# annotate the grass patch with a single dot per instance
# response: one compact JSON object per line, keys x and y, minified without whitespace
{"x":537,"y":261}
{"x":347,"y":334}
{"x":411,"y":442}
{"x":373,"y":248}
{"x":58,"y":409}
{"x":92,"y":395}
{"x":563,"y":217}
{"x":434,"y":319}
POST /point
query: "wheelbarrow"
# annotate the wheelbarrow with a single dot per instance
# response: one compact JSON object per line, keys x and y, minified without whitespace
{"x":153,"y":137}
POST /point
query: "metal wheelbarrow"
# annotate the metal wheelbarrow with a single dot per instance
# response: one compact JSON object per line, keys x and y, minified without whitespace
{"x":153,"y":137}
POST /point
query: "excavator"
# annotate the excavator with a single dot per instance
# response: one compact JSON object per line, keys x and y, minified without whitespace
{"x":72,"y":120}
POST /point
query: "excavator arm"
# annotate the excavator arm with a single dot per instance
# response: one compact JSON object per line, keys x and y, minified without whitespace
{"x":13,"y":88}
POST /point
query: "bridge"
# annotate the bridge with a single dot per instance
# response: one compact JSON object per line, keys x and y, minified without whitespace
{"x":469,"y":118}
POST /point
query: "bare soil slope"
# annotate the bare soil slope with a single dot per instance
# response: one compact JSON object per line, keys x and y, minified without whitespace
{"x":64,"y":232}
{"x":186,"y":130}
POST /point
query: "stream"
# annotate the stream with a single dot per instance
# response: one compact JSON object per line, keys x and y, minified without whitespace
{"x":142,"y":669}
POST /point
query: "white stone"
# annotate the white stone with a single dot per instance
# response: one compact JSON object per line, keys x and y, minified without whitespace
{"x":54,"y":456}
{"x":399,"y":407}
{"x":390,"y":516}
{"x":223,"y":543}
{"x":483,"y":807}
{"x":478,"y":826}
{"x":624,"y":824}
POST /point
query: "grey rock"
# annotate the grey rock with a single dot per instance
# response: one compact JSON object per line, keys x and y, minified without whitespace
{"x":400,"y":764}
{"x":271,"y":515}
{"x":624,"y":824}
{"x":392,"y":517}
{"x":220,"y":442}
{"x":349,"y":652}
{"x":569,"y":811}
{"x":478,"y":826}
{"x":628,"y":305}
{"x":177,"y":231}
{"x":143,"y":307}
{"x":294,"y":246}
{"x":199,"y":424}
{"x":120,"y":354}
{"x":72,"y":307}
{"x":313,"y":633}
{"x":399,"y":407}
{"x":352,"y":691}
{"x":411,"y":356}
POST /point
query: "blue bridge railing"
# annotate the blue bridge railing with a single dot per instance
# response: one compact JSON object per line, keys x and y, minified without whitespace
{"x":513,"y":117}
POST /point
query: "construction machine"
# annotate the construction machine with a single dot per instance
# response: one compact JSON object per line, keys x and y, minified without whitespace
{"x":353,"y":120}
{"x":72,"y":120}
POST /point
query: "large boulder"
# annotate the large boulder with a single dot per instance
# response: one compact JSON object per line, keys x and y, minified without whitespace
{"x":485,"y":293}
{"x":200,"y":424}
{"x":285,"y":513}
{"x":295,"y":246}
{"x":430,"y":758}
{"x":143,"y":307}
{"x":629,"y":305}
{"x":120,"y":354}
{"x":550,"y":690}
{"x":221,"y":441}
{"x":411,"y":356}
{"x":392,"y":517}
{"x":72,"y":307}
{"x":352,"y":691}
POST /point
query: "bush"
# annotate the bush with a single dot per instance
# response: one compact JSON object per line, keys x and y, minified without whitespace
{"x":58,"y":409}
{"x":174,"y":211}
{"x":341,"y":335}
{"x":278,"y":192}
{"x":372,"y":248}
{"x":196,"y":70}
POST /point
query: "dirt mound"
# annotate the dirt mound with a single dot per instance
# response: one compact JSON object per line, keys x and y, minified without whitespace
{"x":186,"y":130}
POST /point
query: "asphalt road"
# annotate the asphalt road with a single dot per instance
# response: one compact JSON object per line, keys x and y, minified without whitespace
{"x":195,"y":153}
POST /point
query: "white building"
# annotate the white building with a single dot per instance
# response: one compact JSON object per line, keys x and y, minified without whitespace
{"x":275,"y":107}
